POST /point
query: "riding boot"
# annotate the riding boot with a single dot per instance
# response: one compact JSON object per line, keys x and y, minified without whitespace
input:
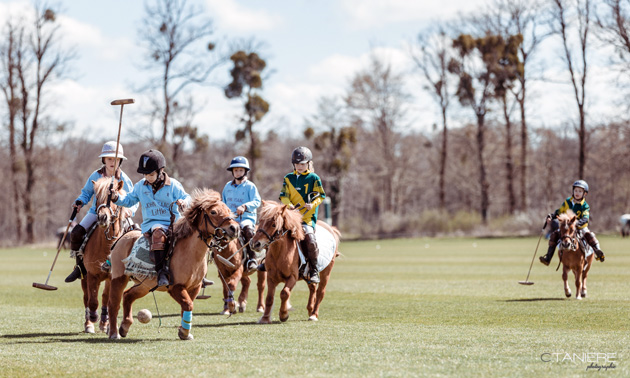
{"x":593,"y":242}
{"x":76,"y":239}
{"x":248,"y":234}
{"x":553,"y":242}
{"x":158,"y":245}
{"x":312,"y":253}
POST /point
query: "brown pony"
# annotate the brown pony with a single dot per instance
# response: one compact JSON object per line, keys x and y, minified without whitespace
{"x":572,"y":255}
{"x":205,"y":222}
{"x":230,"y":276}
{"x":280,"y":230}
{"x":95,"y":253}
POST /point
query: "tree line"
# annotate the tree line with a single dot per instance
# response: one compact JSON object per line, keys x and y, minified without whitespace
{"x":484,"y":168}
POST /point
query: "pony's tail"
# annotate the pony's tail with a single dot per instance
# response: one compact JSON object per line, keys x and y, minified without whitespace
{"x":336,"y":233}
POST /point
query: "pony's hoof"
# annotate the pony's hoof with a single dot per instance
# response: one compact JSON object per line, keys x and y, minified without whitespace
{"x":578,"y":298}
{"x":260,"y":309}
{"x":225,"y":312}
{"x":184,"y":334}
{"x":284,"y":318}
{"x":122,"y":332}
{"x":584,"y":294}
{"x":313,"y":318}
{"x":103,"y":326}
{"x":568,"y":294}
{"x":89,"y":328}
{"x":242,"y":307}
{"x":114,"y":337}
{"x":264,"y":320}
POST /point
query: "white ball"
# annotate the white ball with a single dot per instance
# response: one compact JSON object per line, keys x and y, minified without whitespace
{"x":144,"y":316}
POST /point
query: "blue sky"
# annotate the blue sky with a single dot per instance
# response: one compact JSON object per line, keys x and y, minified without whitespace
{"x":314,"y":47}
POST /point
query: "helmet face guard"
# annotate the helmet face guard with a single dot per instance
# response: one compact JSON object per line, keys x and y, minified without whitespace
{"x":151,"y":161}
{"x":301,"y":155}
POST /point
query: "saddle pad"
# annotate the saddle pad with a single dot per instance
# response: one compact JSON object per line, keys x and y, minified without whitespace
{"x":326,"y":244}
{"x":138,"y":264}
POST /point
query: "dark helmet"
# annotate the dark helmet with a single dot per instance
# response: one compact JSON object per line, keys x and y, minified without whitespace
{"x":301,"y":155}
{"x":581,"y":184}
{"x":239,"y":162}
{"x":151,"y":161}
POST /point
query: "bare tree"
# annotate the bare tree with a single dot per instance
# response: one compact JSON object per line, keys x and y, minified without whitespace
{"x":615,"y":27}
{"x":575,"y":58}
{"x":511,"y":18}
{"x":176,"y":39}
{"x":14,"y":39}
{"x":432,"y":55}
{"x":335,"y":142}
{"x":377,"y":98}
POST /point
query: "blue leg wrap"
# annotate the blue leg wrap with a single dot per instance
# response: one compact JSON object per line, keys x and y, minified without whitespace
{"x":187,"y":320}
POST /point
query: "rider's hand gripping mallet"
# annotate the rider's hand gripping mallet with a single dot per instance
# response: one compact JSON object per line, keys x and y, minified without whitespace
{"x":527,"y":281}
{"x":46,"y":286}
{"x":122,"y":104}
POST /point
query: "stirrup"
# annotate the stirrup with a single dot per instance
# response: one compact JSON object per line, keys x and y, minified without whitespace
{"x":206,"y":282}
{"x":544,"y":260}
{"x":251,"y":265}
{"x":74,"y":275}
{"x":163,"y":278}
{"x":313,"y":277}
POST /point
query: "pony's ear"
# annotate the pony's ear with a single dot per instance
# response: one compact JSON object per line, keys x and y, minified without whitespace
{"x":120,"y":185}
{"x":573,"y":219}
{"x":93,"y":182}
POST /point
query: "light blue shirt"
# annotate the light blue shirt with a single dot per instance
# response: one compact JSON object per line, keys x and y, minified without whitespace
{"x":88,"y":189}
{"x":155,"y":207}
{"x":246,"y":194}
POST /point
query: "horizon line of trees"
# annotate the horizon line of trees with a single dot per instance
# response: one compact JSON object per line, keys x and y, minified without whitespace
{"x":469,"y":175}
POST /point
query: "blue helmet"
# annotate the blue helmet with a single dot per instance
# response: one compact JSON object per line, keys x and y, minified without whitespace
{"x":581,"y":184}
{"x":239,"y":162}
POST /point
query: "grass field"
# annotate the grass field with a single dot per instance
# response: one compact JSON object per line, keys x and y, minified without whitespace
{"x":407,"y":307}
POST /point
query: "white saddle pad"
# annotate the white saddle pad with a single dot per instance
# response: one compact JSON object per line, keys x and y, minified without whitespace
{"x":326,"y":244}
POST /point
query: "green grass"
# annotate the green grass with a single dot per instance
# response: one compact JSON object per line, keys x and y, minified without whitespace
{"x":407,"y":307}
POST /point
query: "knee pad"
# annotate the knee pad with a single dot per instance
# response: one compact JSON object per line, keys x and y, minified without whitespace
{"x":158,"y":240}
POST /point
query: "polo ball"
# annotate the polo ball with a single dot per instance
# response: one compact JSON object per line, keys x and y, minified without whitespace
{"x":144,"y":316}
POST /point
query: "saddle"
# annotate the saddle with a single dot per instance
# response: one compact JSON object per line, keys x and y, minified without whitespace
{"x":326,"y":244}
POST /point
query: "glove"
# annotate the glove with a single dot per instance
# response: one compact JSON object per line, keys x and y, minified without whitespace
{"x":78,"y":204}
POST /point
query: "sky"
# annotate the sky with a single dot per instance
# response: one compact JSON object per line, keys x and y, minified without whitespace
{"x":313,"y":48}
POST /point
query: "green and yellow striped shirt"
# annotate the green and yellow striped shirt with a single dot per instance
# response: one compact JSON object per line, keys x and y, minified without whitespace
{"x":296,"y":189}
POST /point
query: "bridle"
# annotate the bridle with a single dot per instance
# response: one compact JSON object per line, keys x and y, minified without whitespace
{"x":114,"y":218}
{"x":215,"y":238}
{"x":570,"y":237}
{"x":277,"y":235}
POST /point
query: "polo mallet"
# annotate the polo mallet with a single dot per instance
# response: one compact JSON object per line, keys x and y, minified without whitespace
{"x":46,"y":286}
{"x":527,"y":281}
{"x":122,"y":104}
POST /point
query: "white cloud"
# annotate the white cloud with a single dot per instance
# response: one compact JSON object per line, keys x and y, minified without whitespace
{"x":378,"y":13}
{"x":229,"y":15}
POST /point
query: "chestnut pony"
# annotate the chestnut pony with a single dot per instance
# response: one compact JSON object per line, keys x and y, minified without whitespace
{"x":572,"y":255}
{"x":230,"y":277}
{"x":280,"y":230}
{"x":206,"y":221}
{"x":96,"y":250}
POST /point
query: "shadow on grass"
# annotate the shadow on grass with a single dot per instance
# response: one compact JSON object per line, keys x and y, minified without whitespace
{"x":68,"y":338}
{"x":534,"y":299}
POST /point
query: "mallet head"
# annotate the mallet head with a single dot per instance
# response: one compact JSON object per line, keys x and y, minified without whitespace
{"x":124,"y":101}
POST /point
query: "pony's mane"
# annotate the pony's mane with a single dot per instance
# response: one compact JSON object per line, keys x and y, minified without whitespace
{"x":566,"y":216}
{"x":201,"y":200}
{"x":292,"y":219}
{"x":101,"y":191}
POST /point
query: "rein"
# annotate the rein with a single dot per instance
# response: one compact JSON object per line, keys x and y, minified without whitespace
{"x":271,"y":238}
{"x":114,"y":219}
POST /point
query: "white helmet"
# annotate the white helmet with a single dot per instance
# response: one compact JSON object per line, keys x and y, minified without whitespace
{"x":109,"y":150}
